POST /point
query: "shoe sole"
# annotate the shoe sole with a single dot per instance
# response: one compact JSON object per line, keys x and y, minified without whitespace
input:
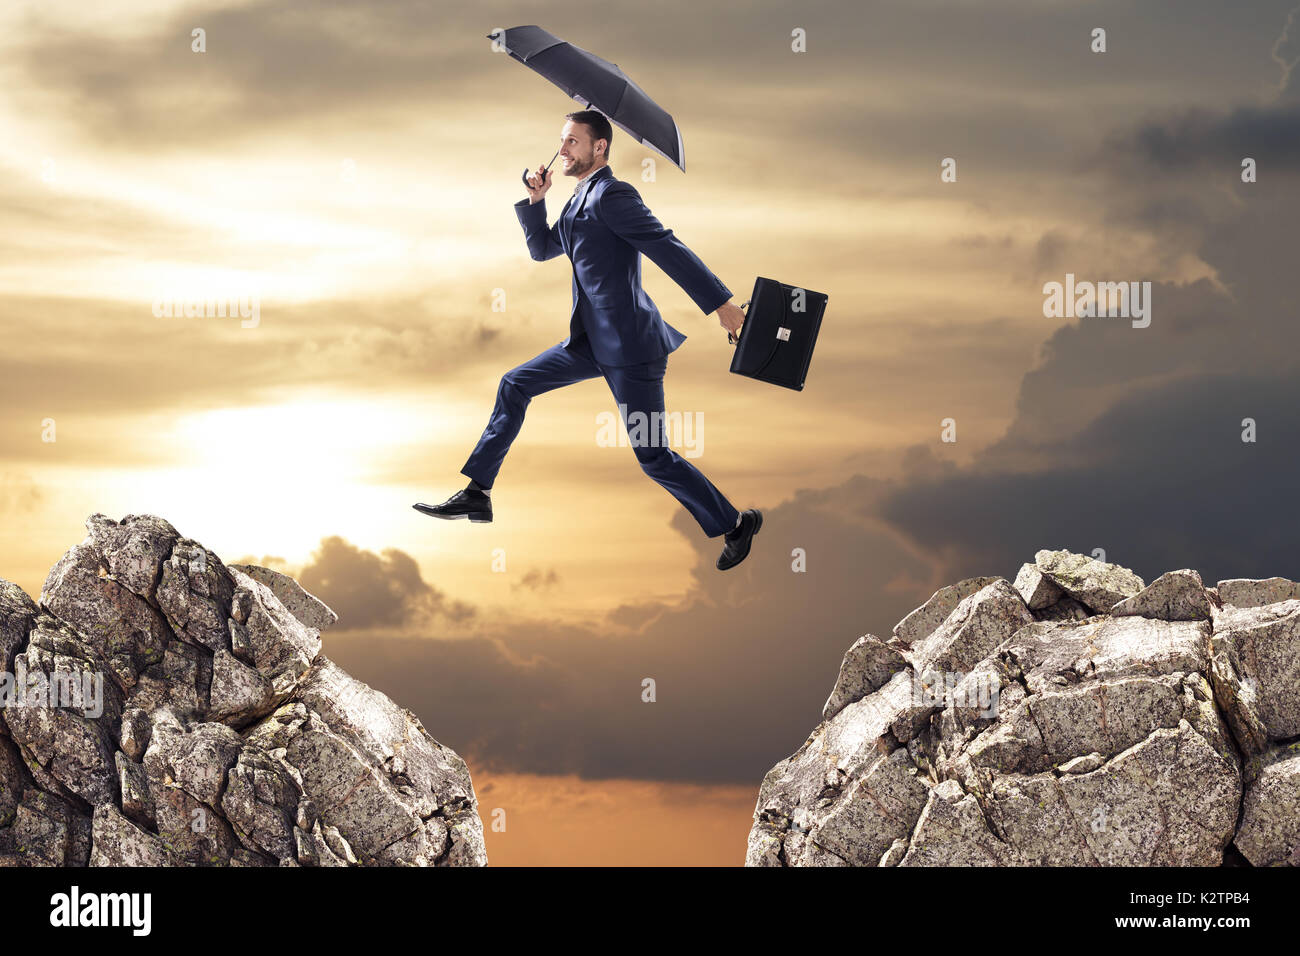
{"x":758,"y":524}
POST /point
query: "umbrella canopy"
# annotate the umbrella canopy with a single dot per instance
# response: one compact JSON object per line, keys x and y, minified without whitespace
{"x":597,"y":84}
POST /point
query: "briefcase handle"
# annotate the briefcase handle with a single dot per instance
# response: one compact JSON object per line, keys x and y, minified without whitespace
{"x":731,"y":338}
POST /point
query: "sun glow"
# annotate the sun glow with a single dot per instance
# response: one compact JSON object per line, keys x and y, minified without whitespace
{"x":287,"y":473}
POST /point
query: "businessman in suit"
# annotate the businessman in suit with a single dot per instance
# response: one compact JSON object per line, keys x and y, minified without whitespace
{"x":615,"y":331}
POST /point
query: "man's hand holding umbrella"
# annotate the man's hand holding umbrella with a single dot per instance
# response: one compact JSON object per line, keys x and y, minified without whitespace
{"x":538,"y":183}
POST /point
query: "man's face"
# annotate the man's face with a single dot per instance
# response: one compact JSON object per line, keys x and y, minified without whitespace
{"x":578,"y":149}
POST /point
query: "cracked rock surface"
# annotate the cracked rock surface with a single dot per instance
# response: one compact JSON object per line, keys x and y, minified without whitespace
{"x":1074,"y":717}
{"x":165,"y":709}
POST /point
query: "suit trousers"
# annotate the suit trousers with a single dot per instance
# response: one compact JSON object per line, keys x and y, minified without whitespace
{"x":636,"y":388}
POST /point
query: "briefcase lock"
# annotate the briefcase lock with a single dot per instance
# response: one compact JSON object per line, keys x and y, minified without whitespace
{"x":783,"y":334}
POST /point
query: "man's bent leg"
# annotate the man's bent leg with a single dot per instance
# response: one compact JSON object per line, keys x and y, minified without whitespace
{"x":555,"y":367}
{"x":640,"y":388}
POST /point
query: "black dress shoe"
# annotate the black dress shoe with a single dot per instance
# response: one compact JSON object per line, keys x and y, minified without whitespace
{"x":736,"y":543}
{"x":474,"y":505}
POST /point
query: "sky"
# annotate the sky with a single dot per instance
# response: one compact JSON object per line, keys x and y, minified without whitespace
{"x":351,"y":167}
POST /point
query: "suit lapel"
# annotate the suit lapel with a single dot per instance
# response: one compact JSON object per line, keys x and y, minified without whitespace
{"x":564,"y":218}
{"x":571,"y":213}
{"x":581,"y":198}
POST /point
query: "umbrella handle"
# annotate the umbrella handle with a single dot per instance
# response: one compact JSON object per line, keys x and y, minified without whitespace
{"x":524,"y":177}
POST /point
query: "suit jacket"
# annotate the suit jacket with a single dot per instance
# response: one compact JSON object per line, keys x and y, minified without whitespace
{"x":604,"y":228}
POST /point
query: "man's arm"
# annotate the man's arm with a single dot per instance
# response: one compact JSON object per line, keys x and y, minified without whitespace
{"x":543,"y":241}
{"x":621,"y":209}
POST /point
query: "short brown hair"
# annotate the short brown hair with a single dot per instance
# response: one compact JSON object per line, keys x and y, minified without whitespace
{"x":599,"y":125}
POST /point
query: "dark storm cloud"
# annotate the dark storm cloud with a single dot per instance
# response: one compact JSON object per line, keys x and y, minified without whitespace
{"x":1130,"y":439}
{"x":1162,"y":480}
{"x":377,"y":590}
{"x":1202,"y":139}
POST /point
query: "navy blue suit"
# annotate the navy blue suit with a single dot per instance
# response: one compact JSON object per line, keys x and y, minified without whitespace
{"x":615,"y":330}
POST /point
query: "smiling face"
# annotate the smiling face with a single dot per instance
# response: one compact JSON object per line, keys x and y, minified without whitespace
{"x":579,"y":152}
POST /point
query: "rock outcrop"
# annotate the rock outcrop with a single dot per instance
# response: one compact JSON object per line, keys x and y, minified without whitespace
{"x":1075,"y":717}
{"x":164,"y":709}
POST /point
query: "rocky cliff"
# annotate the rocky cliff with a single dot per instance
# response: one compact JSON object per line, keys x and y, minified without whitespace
{"x":1075,"y":716}
{"x":161,"y":708}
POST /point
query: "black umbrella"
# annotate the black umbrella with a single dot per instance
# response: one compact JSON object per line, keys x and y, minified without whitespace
{"x":596,"y":84}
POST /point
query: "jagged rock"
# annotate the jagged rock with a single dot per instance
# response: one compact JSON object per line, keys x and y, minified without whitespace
{"x":935,"y":611}
{"x":195,"y":593}
{"x":1257,"y":671}
{"x":47,"y":831}
{"x":116,"y":841}
{"x":869,"y":664}
{"x":1256,"y":592}
{"x":17,"y":611}
{"x":1095,"y":584}
{"x":279,"y":646}
{"x":1168,"y":801}
{"x":897,"y":850}
{"x":304,"y":606}
{"x":118,"y":626}
{"x":14,"y":779}
{"x":215,"y":731}
{"x":1038,"y":590}
{"x":1174,"y":596}
{"x":862,"y":826}
{"x":1065,"y":609}
{"x":133,"y":550}
{"x":137,"y":799}
{"x":979,"y":623}
{"x":952,"y":831}
{"x":1068,"y":729}
{"x":1052,"y":656}
{"x":55,"y":717}
{"x":1270,"y":820}
{"x":799,"y":791}
{"x":260,"y":802}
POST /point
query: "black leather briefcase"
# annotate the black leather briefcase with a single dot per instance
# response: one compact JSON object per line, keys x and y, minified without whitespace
{"x":776,"y":342}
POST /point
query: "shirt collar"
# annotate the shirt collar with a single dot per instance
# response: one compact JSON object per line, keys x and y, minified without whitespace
{"x":592,"y":175}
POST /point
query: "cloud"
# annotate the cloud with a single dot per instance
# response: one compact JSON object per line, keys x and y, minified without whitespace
{"x":536,"y":580}
{"x":274,"y":562}
{"x":265,"y":64}
{"x":1202,"y":140}
{"x":741,"y":665}
{"x":18,"y":493}
{"x":1286,"y":50}
{"x":367,"y":590}
{"x":1131,"y":439}
{"x":75,"y":367}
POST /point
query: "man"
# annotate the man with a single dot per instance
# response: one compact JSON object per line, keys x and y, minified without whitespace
{"x":615,"y":330}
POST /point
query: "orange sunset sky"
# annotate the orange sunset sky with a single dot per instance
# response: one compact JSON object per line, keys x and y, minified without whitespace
{"x":353,"y":165}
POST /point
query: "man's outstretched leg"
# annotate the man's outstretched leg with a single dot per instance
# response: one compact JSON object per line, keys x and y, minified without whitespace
{"x":555,"y":367}
{"x":640,"y":389}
